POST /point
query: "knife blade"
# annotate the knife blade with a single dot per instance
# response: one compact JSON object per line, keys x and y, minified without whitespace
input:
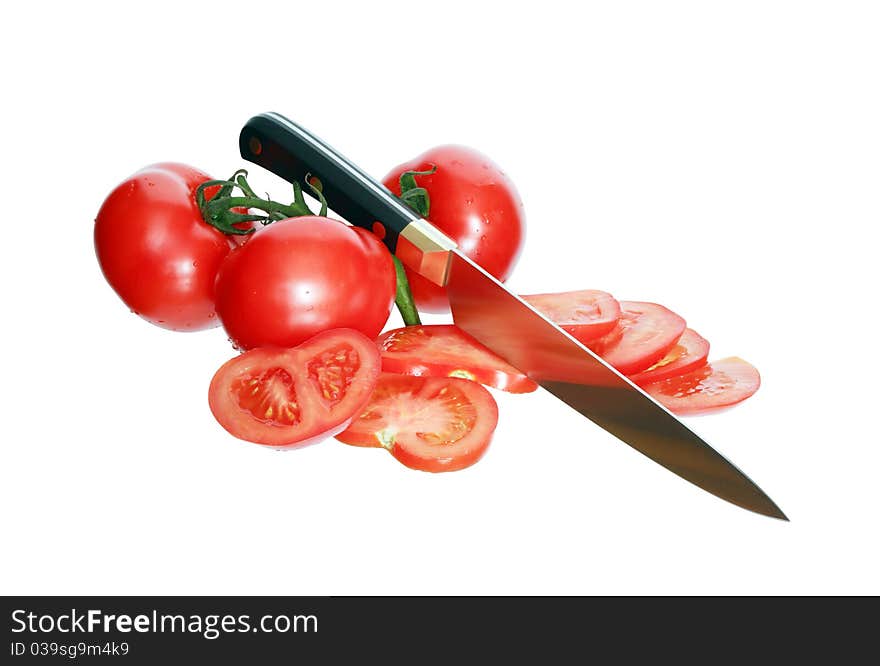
{"x":487,"y":310}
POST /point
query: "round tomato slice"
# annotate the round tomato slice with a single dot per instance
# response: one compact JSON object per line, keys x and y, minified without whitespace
{"x":641,"y":337}
{"x":434,"y":424}
{"x":586,"y":314}
{"x":711,"y":388}
{"x":689,"y":353}
{"x":447,"y":351}
{"x":294,"y":397}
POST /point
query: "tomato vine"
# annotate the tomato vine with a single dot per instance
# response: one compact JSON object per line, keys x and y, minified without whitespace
{"x":223,"y":211}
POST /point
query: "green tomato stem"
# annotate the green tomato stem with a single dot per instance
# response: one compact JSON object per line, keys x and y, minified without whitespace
{"x":419,"y":200}
{"x":404,"y":299}
{"x":219,"y":213}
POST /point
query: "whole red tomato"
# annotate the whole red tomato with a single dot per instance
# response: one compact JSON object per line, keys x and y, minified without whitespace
{"x":301,"y":276}
{"x":155,"y":250}
{"x":473,"y":202}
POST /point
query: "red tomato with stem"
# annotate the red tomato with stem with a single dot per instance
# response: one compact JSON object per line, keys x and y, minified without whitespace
{"x":473,"y":202}
{"x":300,"y":276}
{"x":689,"y":353}
{"x":289,"y":398}
{"x":433,"y":424}
{"x":586,"y":314}
{"x":155,"y":250}
{"x":447,"y":351}
{"x":714,"y":387}
{"x":642,"y":336}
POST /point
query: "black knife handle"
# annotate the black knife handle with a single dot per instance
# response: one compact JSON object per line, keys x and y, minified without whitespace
{"x":289,"y":151}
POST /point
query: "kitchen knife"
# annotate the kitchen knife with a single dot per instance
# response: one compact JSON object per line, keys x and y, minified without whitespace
{"x":484,"y":308}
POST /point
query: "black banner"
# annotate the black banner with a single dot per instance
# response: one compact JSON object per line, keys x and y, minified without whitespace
{"x":270,"y":630}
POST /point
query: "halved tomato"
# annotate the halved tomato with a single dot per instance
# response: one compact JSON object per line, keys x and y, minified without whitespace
{"x":434,"y":424}
{"x":293,"y":397}
{"x":447,"y":351}
{"x":711,"y":388}
{"x":642,"y":336}
{"x":586,"y":314}
{"x":689,"y":353}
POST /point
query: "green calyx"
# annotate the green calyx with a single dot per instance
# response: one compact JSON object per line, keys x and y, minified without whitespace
{"x":414,"y":196}
{"x":220,"y":210}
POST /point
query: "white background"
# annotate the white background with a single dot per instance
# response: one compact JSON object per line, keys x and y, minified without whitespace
{"x":720,"y":158}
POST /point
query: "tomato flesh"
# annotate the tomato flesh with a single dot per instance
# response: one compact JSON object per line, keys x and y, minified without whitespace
{"x":433,"y":424}
{"x":293,"y":397}
{"x":716,"y":386}
{"x":689,"y":353}
{"x":447,"y":351}
{"x":586,"y":314}
{"x":269,"y":396}
{"x":333,"y":371}
{"x":643,"y":335}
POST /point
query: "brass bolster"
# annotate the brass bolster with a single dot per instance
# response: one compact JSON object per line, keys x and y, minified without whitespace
{"x":426,"y":250}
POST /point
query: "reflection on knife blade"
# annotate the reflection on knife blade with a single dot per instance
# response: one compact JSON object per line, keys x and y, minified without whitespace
{"x":505,"y":323}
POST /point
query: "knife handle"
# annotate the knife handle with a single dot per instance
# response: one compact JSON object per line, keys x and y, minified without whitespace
{"x":293,"y":153}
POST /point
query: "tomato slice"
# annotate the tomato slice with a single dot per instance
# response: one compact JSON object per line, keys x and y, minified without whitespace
{"x":689,"y":353}
{"x":586,"y":314}
{"x":434,"y":424}
{"x":447,"y":351}
{"x":641,"y":337}
{"x":289,"y":398}
{"x":708,"y":389}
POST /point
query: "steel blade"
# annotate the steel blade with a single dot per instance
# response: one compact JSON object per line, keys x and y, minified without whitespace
{"x":510,"y":327}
